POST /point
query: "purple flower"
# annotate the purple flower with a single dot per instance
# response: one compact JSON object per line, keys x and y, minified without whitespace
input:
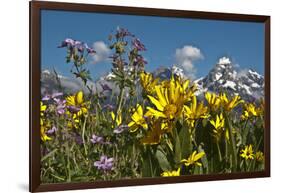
{"x":104,"y":163}
{"x":122,"y":32}
{"x":70,"y":43}
{"x":53,"y":96}
{"x":138,"y":45}
{"x":89,"y":50}
{"x":46,"y":98}
{"x":97,"y":139}
{"x":61,"y":106}
{"x":120,"y":129}
{"x":139,"y":60}
{"x":67,"y":42}
{"x":52,"y":131}
{"x":79,"y":45}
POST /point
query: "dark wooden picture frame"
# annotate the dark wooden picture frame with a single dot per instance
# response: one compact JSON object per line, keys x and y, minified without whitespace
{"x":34,"y":97}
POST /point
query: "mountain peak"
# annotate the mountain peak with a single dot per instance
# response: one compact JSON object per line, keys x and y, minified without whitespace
{"x":224,"y":60}
{"x":223,"y":77}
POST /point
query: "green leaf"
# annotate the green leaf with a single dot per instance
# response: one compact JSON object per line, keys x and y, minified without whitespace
{"x":204,"y":159}
{"x":178,"y":155}
{"x":162,"y":160}
{"x":186,"y":145}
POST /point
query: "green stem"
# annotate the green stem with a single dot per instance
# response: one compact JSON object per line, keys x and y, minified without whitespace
{"x":49,"y":154}
{"x":121,"y":96}
{"x":219,"y":151}
{"x":232,"y":144}
{"x":83,"y":135}
{"x":68,"y":163}
{"x":150,"y":163}
{"x":245,"y":132}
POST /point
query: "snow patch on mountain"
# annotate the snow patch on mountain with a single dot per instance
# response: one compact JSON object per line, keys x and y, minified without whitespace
{"x":224,"y":77}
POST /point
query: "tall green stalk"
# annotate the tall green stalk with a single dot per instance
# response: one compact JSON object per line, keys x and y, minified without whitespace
{"x":232,"y":143}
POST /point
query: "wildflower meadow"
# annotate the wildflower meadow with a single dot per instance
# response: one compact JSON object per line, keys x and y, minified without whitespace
{"x":143,"y":126}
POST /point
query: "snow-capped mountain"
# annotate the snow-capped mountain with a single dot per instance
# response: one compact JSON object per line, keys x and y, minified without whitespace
{"x":223,"y":77}
{"x":249,"y":84}
{"x":166,"y":73}
{"x":52,"y":82}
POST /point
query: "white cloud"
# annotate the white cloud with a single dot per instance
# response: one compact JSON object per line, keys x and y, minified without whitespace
{"x":102,"y":52}
{"x":185,"y":58}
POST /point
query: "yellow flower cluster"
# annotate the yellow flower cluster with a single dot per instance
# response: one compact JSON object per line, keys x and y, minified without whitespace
{"x":44,"y":124}
{"x":169,"y":101}
{"x":77,"y":102}
{"x":248,"y":154}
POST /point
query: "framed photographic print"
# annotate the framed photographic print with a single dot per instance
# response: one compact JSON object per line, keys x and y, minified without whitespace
{"x":123,"y":96}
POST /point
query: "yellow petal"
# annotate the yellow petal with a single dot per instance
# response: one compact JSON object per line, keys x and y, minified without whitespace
{"x":79,"y":97}
{"x":139,"y":110}
{"x":131,"y":124}
{"x":156,"y":113}
{"x":199,"y":155}
{"x":156,"y":103}
{"x":70,"y":100}
{"x":160,"y":95}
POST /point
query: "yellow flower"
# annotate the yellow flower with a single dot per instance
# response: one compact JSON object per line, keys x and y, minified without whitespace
{"x":154,"y":135}
{"x":193,"y":159}
{"x":73,"y":120}
{"x":230,"y":104}
{"x":44,"y":136}
{"x":250,"y":110}
{"x":77,"y":100}
{"x":168,"y":101}
{"x":259,"y":156}
{"x":195,"y":111}
{"x":218,"y":126}
{"x":42,"y":108}
{"x":213,"y":100}
{"x":148,"y":82}
{"x":43,"y":123}
{"x":118,"y":119}
{"x":247,"y":152}
{"x":171,"y":173}
{"x":138,"y":119}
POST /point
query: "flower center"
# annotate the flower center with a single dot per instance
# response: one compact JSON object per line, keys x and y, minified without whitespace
{"x":170,"y":110}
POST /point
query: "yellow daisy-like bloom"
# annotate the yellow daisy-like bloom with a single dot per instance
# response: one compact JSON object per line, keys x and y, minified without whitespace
{"x":218,"y":126}
{"x":213,"y":100}
{"x":259,"y":156}
{"x":195,"y":111}
{"x":44,"y":136}
{"x":247,"y":152}
{"x":138,"y":119}
{"x":193,"y":159}
{"x":148,"y":82}
{"x":43,"y":124}
{"x":250,"y":110}
{"x":154,"y":135}
{"x":171,"y":173}
{"x":77,"y":100}
{"x":118,"y":119}
{"x":230,"y":104}
{"x":168,"y":101}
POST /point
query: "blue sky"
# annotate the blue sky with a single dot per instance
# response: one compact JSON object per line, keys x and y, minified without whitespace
{"x":162,"y":36}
